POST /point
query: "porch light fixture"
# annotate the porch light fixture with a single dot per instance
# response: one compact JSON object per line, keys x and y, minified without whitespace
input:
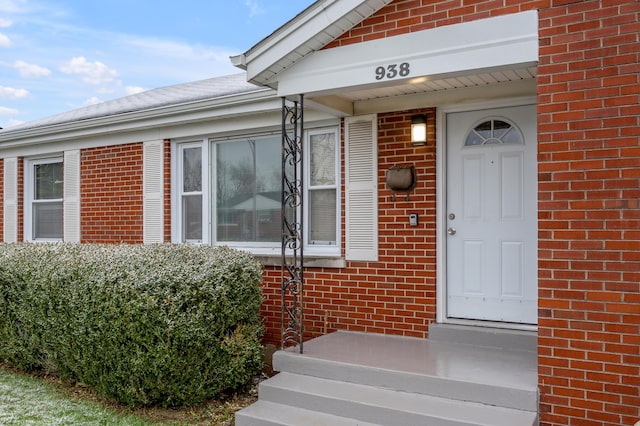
{"x":419,"y":130}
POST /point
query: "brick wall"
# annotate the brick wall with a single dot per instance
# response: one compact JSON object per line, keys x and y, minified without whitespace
{"x":405,"y":16}
{"x":589,"y":173}
{"x":111,"y":194}
{"x":396,"y":295}
{"x":589,"y":170}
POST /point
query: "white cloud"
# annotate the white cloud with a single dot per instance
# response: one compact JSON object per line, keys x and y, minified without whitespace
{"x":93,"y":73}
{"x":8,"y":111}
{"x":12,"y":93}
{"x":5,"y":23}
{"x":254,"y":8}
{"x":92,"y":101}
{"x":14,"y":122}
{"x":5,"y":41}
{"x":107,"y":90}
{"x":11,"y":5}
{"x":132,"y":90}
{"x":172,"y":49}
{"x":182,"y":61}
{"x":31,"y":70}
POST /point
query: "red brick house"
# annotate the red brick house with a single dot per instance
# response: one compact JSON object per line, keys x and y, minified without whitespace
{"x":522,"y":217}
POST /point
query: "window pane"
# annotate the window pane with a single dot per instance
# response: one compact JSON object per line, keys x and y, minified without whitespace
{"x":192,"y":217}
{"x":47,"y":220}
{"x":512,"y":136}
{"x":48,"y":181}
{"x":248,"y":188}
{"x":493,"y":132}
{"x":192,"y":169}
{"x":484,"y":130}
{"x":322,"y":226}
{"x":323,"y":159}
{"x":500,"y":128}
{"x":474,"y":139}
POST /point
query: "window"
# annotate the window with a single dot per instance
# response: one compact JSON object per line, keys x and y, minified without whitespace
{"x":248,"y":191}
{"x":190,"y":172}
{"x":494,"y":131}
{"x":44,"y":210}
{"x":243,"y":201}
{"x":322,"y":187}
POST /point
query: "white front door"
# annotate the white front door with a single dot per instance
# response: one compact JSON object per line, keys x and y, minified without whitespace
{"x":491,"y":210}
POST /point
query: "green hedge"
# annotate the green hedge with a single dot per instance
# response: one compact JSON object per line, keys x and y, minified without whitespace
{"x":166,"y":325}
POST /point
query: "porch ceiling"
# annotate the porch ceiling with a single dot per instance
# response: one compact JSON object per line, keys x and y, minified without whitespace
{"x":429,"y":91}
{"x":425,"y":85}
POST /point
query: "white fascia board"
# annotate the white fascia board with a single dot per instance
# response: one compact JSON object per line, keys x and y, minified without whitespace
{"x":309,"y":25}
{"x":498,"y":42}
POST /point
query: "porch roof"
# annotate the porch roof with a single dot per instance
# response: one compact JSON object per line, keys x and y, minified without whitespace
{"x":474,"y":56}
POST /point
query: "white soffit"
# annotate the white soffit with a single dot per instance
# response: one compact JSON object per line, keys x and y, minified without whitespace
{"x":471,"y":48}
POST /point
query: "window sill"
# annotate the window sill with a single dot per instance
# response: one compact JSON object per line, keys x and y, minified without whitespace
{"x":309,"y":261}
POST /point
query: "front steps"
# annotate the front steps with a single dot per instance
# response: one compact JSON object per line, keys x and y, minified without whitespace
{"x":367,"y":379}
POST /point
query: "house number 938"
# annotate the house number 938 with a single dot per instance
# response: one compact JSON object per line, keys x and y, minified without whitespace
{"x":393,"y":71}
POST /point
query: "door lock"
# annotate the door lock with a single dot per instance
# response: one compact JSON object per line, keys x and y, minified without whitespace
{"x":452,"y":216}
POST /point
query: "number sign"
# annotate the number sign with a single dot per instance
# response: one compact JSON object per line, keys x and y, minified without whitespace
{"x":392,"y":71}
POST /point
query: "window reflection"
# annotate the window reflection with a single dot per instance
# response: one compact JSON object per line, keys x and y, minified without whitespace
{"x":248,"y":189}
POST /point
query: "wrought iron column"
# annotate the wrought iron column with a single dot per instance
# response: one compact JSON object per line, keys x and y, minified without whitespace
{"x":292,"y":275}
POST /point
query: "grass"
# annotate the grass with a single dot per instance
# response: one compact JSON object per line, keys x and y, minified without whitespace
{"x":25,"y":400}
{"x":46,"y":400}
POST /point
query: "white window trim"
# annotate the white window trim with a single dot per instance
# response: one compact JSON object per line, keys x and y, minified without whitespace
{"x":209,"y":183}
{"x":322,"y":249}
{"x":29,"y":196}
{"x":177,"y":193}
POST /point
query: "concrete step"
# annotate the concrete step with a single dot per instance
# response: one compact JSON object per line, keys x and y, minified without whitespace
{"x":384,"y":406}
{"x":264,"y":413}
{"x":478,"y":374}
{"x":461,"y":377}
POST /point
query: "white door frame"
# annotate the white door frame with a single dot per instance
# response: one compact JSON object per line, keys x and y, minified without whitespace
{"x":441,"y":204}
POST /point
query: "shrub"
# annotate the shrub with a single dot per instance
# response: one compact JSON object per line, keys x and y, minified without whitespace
{"x":155,"y":324}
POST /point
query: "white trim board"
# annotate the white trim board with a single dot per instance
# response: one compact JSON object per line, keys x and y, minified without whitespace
{"x":491,"y":43}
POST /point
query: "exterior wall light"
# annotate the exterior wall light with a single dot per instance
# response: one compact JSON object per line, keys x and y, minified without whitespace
{"x":419,"y":130}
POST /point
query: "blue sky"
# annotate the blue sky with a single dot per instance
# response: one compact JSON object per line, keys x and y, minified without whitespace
{"x":59,"y":55}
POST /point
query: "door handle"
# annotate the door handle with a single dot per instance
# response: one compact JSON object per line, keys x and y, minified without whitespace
{"x":451,"y":231}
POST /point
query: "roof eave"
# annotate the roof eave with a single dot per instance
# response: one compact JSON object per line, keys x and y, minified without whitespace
{"x":309,"y":31}
{"x":123,"y":122}
{"x":239,"y":61}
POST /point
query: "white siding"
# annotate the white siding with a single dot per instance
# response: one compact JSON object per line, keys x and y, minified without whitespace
{"x":361,"y":188}
{"x":153,"y":192}
{"x":71,"y":202}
